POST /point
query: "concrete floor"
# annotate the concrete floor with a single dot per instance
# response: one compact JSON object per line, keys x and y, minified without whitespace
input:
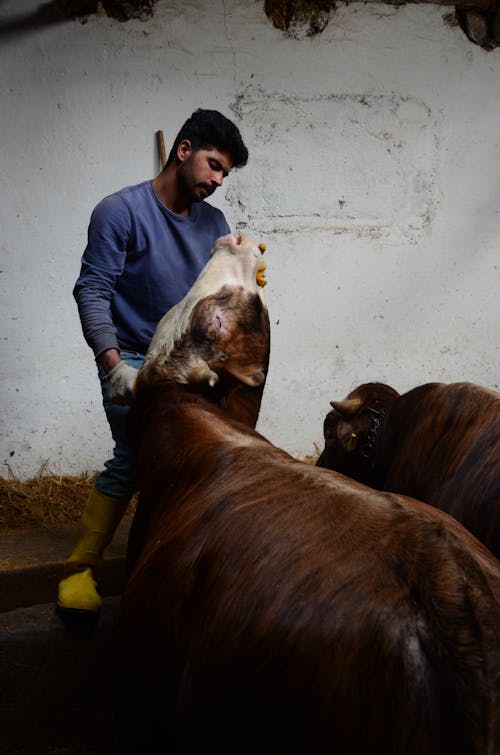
{"x":54,"y":690}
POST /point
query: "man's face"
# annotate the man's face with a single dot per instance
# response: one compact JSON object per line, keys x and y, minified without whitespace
{"x":202,"y":171}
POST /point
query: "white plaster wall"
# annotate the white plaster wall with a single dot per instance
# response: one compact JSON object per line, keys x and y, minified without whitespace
{"x":373,"y":179}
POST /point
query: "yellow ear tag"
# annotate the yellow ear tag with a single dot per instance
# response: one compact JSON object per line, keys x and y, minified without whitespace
{"x":261,"y":281}
{"x":352,"y":442}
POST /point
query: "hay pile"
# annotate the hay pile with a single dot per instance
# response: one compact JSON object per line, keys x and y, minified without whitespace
{"x":43,"y":502}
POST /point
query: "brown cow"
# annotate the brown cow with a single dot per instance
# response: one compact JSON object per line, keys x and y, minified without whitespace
{"x":438,"y":442}
{"x":273,"y":607}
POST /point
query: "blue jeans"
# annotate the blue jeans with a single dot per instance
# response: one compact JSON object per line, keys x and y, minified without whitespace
{"x":119,"y":479}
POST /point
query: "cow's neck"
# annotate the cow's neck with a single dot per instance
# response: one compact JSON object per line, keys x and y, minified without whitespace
{"x":367,"y":448}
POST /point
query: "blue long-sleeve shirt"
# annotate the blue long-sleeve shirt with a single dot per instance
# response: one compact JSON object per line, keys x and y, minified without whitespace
{"x":140,"y":260}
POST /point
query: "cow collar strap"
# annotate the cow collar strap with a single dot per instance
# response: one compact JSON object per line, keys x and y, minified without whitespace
{"x":368,"y":447}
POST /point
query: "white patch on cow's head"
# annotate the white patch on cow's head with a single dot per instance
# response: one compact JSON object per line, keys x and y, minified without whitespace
{"x":234,"y":263}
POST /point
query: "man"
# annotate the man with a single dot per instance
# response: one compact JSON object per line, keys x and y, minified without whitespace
{"x":146,"y":246}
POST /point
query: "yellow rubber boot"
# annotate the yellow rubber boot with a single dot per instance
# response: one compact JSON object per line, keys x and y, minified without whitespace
{"x":100,"y":518}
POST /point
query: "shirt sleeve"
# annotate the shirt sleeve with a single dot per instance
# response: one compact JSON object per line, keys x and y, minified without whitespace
{"x":102,"y":263}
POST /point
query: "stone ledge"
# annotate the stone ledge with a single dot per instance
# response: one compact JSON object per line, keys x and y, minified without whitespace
{"x":31,"y":565}
{"x":55,"y":692}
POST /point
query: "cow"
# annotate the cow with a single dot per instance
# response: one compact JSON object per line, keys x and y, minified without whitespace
{"x":218,"y":336}
{"x":272,"y":606}
{"x":438,"y":442}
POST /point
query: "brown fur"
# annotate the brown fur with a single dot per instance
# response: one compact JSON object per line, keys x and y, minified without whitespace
{"x":282,"y":609}
{"x":238,"y":352}
{"x":439,"y":443}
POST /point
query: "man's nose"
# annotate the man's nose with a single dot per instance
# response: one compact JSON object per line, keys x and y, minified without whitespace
{"x":217,"y":178}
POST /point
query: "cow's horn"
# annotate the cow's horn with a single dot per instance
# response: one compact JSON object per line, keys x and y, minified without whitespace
{"x":204,"y":374}
{"x":348,"y":407}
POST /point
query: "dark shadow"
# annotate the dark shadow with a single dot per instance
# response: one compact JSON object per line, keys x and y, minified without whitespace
{"x":81,"y":623}
{"x":60,"y":11}
{"x":48,"y":14}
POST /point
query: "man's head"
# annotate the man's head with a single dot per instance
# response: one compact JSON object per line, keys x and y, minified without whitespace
{"x":209,"y":129}
{"x":200,"y":172}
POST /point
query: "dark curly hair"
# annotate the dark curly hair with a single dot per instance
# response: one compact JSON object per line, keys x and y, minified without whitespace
{"x":209,"y":129}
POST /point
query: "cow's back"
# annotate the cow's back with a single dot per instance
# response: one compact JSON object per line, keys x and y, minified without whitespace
{"x":441,"y":444}
{"x":281,"y":608}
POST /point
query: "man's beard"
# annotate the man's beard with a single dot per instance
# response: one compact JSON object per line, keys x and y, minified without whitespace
{"x":186,"y":185}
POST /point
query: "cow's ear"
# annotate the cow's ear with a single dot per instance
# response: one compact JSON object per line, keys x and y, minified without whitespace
{"x":248,"y":374}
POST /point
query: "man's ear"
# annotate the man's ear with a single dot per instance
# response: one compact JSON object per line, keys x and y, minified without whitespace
{"x":184,"y":150}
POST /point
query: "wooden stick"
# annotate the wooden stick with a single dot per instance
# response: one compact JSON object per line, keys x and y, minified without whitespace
{"x":161,"y":148}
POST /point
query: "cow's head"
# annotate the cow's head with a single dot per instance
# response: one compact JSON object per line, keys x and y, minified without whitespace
{"x":350,"y":430}
{"x":216,"y":339}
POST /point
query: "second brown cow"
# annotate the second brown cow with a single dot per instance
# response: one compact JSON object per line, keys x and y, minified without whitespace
{"x":438,"y":442}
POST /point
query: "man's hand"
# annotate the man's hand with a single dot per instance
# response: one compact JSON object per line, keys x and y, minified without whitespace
{"x":122,"y":384}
